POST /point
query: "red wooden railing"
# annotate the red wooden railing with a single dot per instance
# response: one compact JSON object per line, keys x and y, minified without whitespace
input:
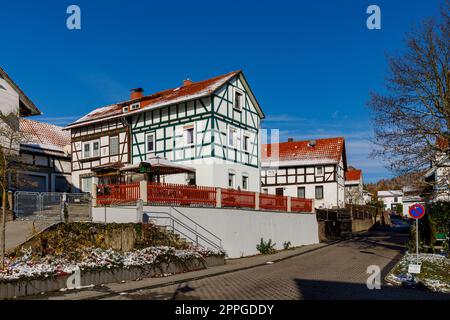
{"x":180,"y":195}
{"x":197,"y":196}
{"x":272,"y":202}
{"x":238,"y":199}
{"x":118,"y":193}
{"x":301,"y":205}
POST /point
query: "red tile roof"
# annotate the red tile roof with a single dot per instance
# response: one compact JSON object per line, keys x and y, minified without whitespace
{"x":329,"y":150}
{"x":353,"y":175}
{"x":43,"y":135}
{"x":166,"y":97}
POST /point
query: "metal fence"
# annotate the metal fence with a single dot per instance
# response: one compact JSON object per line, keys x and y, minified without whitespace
{"x":52,"y":206}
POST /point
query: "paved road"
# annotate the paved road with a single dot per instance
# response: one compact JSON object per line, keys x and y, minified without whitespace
{"x":333,"y":272}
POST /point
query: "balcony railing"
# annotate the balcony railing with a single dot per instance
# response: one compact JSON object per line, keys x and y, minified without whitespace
{"x":165,"y":194}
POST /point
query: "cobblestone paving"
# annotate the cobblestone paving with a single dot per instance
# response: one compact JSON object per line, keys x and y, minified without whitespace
{"x":334,"y":272}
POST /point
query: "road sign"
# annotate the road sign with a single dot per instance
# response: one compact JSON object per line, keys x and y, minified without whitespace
{"x":417,"y":211}
{"x":414,"y":268}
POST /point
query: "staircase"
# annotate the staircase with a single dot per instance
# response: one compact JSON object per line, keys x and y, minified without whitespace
{"x":173,"y":220}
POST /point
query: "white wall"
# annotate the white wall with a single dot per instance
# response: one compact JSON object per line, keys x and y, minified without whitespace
{"x":241,"y":230}
{"x":330,"y":193}
{"x":117,"y":214}
{"x":9,"y":98}
{"x":213,"y":172}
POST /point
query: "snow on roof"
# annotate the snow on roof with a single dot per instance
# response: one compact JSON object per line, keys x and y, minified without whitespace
{"x":390,"y":193}
{"x":325,"y":151}
{"x":183,"y":93}
{"x":44,"y":136}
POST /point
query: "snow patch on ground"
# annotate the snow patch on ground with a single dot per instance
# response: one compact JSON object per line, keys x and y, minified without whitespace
{"x":28,"y":266}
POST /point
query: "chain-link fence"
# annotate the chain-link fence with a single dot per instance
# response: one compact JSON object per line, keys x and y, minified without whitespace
{"x":52,"y":206}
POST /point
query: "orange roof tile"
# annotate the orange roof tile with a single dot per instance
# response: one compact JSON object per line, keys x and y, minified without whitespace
{"x":43,"y":135}
{"x":353,"y":175}
{"x":166,"y":97}
{"x":329,"y":150}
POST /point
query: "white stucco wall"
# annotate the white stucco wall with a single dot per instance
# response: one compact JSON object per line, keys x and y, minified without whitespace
{"x":117,"y":215}
{"x":241,"y":230}
{"x":332,"y":195}
{"x":213,"y":172}
{"x":9,"y":98}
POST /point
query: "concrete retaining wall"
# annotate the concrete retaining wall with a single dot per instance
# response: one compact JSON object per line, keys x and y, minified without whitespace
{"x":32,"y":287}
{"x":117,"y":214}
{"x":359,"y":225}
{"x":241,"y":230}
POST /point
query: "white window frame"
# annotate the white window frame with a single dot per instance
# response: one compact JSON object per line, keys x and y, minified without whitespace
{"x":135,"y":106}
{"x":245,"y":176}
{"x":118,"y":145}
{"x":234,"y":140}
{"x":125,"y":109}
{"x":236,"y":92}
{"x":186,"y":129}
{"x":234,"y":180}
{"x":91,"y":149}
{"x":244,"y":147}
{"x":98,"y":150}
{"x":317,"y":171}
{"x":154,"y":142}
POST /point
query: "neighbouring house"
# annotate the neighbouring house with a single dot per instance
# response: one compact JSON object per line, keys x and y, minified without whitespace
{"x":438,"y":176}
{"x":13,"y":99}
{"x":210,"y":129}
{"x":391,"y":199}
{"x":354,"y":187}
{"x":368,"y":197}
{"x":411,"y":196}
{"x":313,"y":169}
{"x":45,"y":162}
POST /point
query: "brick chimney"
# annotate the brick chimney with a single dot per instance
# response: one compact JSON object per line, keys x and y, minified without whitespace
{"x":187,"y":82}
{"x":136,"y":93}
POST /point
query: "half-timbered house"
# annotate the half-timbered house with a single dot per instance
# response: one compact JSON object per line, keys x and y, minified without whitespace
{"x":99,"y":148}
{"x":44,"y":162}
{"x":312,"y":169}
{"x":354,"y":187}
{"x":213,"y":126}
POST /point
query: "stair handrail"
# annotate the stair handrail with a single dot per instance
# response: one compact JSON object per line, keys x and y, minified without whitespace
{"x":201,"y":227}
{"x":195,"y":232}
{"x":185,"y":235}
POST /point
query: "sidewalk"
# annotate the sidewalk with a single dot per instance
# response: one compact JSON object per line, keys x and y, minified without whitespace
{"x":101,"y":292}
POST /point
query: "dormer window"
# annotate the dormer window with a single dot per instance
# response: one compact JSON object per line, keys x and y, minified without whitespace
{"x":125,"y":109}
{"x":135,"y":106}
{"x":238,"y":99}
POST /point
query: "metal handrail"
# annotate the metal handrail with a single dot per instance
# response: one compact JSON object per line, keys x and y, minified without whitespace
{"x":197,"y":235}
{"x":170,"y":216}
{"x":201,"y":227}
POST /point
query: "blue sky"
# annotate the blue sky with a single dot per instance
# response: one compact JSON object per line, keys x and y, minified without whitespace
{"x":311,"y":64}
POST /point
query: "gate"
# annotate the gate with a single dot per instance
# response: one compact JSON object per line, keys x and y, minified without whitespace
{"x":50,"y":206}
{"x":79,"y":206}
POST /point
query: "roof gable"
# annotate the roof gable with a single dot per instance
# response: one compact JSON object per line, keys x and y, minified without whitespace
{"x":44,"y":136}
{"x":28,"y":107}
{"x":183,"y":93}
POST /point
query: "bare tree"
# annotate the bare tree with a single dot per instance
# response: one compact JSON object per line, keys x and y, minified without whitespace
{"x":414,"y":112}
{"x":10,"y":139}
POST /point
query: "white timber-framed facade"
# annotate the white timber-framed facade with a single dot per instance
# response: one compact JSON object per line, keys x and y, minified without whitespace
{"x":211,"y":125}
{"x":312,"y":169}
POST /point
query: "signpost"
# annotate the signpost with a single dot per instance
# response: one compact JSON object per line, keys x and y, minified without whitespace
{"x":416,"y":211}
